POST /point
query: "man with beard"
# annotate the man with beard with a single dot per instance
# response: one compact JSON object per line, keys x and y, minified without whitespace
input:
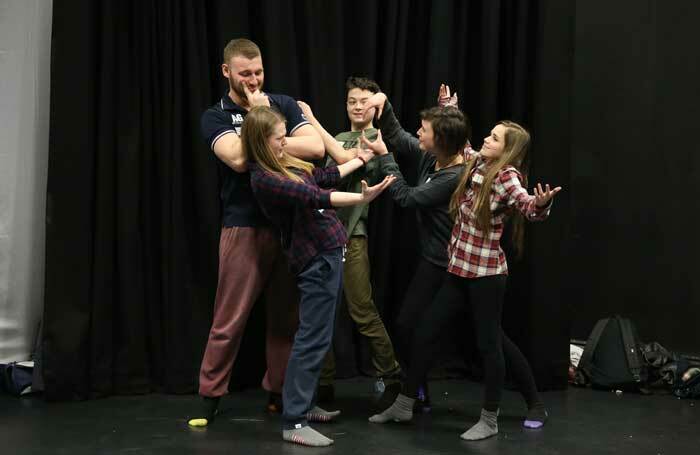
{"x":251,"y":263}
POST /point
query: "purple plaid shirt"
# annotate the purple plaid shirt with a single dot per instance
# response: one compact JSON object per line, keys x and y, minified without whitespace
{"x":301,"y":211}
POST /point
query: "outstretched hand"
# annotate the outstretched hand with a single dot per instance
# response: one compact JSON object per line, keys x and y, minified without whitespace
{"x":306,"y":110}
{"x":377,"y":147}
{"x":444,"y":98}
{"x":377,"y":100}
{"x":369,"y":193}
{"x":542,"y":197}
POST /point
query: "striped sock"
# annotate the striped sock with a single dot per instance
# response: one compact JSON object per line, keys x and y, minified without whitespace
{"x":321,"y":415}
{"x":306,"y":436}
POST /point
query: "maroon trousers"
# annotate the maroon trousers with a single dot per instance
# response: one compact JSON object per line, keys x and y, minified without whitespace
{"x":251,"y":265}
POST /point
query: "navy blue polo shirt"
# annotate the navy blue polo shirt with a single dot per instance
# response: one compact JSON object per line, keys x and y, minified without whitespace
{"x":239,"y":207}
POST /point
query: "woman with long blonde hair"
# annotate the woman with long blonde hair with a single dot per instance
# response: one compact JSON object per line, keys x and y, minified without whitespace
{"x":298,"y":199}
{"x":489,"y":192}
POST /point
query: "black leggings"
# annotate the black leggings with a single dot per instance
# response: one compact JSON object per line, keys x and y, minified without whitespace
{"x":420,"y":295}
{"x":485,"y":297}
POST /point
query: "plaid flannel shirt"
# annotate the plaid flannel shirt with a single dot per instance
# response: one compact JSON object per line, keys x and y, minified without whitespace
{"x":301,"y":211}
{"x":472,"y":253}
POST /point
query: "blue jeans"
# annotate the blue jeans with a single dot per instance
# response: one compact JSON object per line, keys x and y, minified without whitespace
{"x":319,"y":284}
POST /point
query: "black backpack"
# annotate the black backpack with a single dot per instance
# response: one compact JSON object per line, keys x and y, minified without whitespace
{"x":15,"y":378}
{"x":612,"y":358}
{"x":687,"y":380}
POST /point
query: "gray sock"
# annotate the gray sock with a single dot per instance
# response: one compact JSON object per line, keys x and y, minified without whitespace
{"x":306,"y":436}
{"x":486,"y":427}
{"x":400,"y":411}
{"x":321,"y":415}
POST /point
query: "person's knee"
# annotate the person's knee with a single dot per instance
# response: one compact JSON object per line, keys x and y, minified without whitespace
{"x":366,"y":318}
{"x":315,"y":337}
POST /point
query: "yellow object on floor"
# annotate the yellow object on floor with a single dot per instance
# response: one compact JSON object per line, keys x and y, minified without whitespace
{"x":198,"y":422}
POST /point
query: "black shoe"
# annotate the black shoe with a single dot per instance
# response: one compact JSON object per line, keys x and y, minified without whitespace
{"x":325,"y":394}
{"x":209,"y":407}
{"x":274,"y":403}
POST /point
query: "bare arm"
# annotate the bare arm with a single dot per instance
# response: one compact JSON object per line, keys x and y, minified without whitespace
{"x":305,"y":143}
{"x":228,"y":149}
{"x":350,"y":166}
{"x":339,"y":154}
{"x":368,"y":194}
{"x":363,"y":156}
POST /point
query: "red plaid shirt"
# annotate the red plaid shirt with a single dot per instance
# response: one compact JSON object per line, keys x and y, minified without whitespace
{"x":472,"y":253}
{"x":301,"y":211}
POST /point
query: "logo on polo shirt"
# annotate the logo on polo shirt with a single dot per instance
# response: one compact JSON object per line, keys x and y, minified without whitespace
{"x":237,"y":121}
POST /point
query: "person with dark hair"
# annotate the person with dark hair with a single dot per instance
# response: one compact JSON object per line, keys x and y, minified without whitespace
{"x":299,"y":200}
{"x":490,"y":191}
{"x":251,"y":263}
{"x":356,"y":271}
{"x":443,"y":134}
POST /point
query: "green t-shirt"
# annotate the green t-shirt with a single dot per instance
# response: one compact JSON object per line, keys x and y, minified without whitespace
{"x":354,"y":218}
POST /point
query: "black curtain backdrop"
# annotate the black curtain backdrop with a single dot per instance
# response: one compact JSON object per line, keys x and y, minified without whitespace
{"x":133,"y":207}
{"x":636,"y":168}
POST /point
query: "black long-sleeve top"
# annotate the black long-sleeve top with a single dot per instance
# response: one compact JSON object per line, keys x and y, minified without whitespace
{"x":431,"y":197}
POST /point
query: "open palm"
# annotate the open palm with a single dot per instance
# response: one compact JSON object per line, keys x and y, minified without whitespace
{"x":543,"y":196}
{"x":369,"y":193}
{"x":444,"y":97}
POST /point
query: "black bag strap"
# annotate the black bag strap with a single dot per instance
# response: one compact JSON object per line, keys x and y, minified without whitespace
{"x":585,"y":361}
{"x":631,"y":349}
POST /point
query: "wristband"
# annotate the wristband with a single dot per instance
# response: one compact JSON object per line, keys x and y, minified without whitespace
{"x":364,"y":161}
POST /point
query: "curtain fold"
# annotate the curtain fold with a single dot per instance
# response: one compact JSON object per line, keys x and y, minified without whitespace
{"x":133,"y":219}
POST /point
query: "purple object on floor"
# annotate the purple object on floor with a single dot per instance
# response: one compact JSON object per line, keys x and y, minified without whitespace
{"x":422,"y":398}
{"x":534,"y":424}
{"x":536,"y":417}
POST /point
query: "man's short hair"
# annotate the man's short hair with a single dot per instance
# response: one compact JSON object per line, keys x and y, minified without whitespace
{"x":362,"y":83}
{"x":451,"y":128}
{"x":241,"y":47}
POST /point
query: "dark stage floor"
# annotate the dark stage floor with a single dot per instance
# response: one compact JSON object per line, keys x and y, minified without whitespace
{"x":581,"y":422}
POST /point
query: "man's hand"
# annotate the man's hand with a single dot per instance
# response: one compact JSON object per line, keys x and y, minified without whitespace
{"x":377,"y":147}
{"x":369,"y":193}
{"x":306,"y":110}
{"x":377,"y":100}
{"x":444,"y":99}
{"x":256,"y":98}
